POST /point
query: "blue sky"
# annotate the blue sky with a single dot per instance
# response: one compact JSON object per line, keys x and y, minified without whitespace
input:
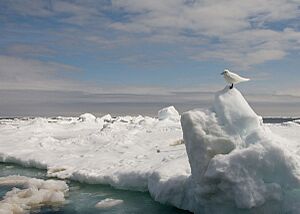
{"x":147,"y":47}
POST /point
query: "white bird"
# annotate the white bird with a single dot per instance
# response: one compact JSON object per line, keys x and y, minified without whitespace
{"x":233,"y":78}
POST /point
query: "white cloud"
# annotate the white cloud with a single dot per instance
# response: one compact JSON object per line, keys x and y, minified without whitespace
{"x":22,"y":73}
{"x":21,"y":49}
{"x":243,"y":33}
{"x":238,"y":30}
{"x":293,"y":91}
{"x":26,"y":74}
{"x":34,"y":8}
{"x":252,"y":47}
{"x":206,"y":17}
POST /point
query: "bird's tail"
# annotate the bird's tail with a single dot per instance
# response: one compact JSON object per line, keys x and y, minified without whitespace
{"x":244,"y":79}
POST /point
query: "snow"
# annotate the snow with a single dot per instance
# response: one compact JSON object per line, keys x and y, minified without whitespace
{"x":291,"y":131}
{"x":228,"y":162}
{"x":108,"y":203}
{"x":87,"y":117}
{"x":168,"y":113}
{"x":34,"y":194}
{"x":235,"y":158}
{"x":122,"y":151}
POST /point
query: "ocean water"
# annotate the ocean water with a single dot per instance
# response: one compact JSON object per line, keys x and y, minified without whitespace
{"x":279,"y":119}
{"x":83,"y":197}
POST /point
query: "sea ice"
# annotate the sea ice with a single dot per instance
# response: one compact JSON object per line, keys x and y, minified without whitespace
{"x":168,"y":113}
{"x":235,"y":158}
{"x":87,"y":117}
{"x":34,"y":194}
{"x":108,"y":203}
{"x":120,"y":151}
{"x":228,"y":162}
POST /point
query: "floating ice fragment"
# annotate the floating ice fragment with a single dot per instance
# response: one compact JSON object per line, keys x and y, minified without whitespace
{"x":108,"y":203}
{"x":35,"y":193}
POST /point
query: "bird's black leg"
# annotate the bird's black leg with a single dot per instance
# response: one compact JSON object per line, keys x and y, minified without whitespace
{"x":231,"y":86}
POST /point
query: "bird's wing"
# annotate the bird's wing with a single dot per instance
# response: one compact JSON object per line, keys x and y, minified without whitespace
{"x":238,"y":78}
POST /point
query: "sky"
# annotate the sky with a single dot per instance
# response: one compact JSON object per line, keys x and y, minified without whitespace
{"x":66,"y":57}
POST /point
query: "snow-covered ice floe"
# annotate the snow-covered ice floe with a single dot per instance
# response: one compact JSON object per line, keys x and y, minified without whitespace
{"x":230,"y":162}
{"x":32,"y":194}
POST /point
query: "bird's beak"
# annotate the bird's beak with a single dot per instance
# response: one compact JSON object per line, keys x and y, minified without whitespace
{"x":223,"y":73}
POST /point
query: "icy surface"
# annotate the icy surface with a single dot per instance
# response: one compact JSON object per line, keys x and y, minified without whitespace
{"x":123,"y":152}
{"x":87,"y":117}
{"x":34,"y":193}
{"x":236,"y":159}
{"x":168,"y":113}
{"x":230,"y":163}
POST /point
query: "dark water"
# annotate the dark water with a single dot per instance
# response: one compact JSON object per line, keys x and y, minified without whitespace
{"x":83,"y":197}
{"x":279,"y":119}
{"x":265,"y":119}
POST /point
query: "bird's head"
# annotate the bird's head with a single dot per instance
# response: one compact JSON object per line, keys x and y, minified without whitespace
{"x":225,"y":72}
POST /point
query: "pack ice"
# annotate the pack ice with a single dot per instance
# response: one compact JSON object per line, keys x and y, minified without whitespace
{"x":230,"y":163}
